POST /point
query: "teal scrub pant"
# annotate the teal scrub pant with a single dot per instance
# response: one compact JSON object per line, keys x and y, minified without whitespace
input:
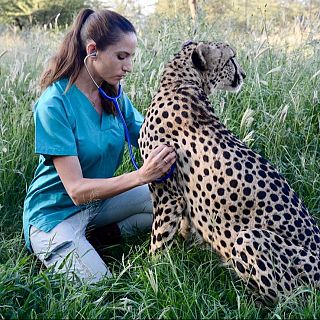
{"x":65,"y":247}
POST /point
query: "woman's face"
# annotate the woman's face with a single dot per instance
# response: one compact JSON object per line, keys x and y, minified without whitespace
{"x":115,"y":61}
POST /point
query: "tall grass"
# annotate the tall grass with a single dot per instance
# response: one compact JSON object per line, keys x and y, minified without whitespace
{"x":277,"y":113}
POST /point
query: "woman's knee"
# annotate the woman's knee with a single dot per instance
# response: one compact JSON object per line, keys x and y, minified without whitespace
{"x":146,"y":199}
{"x":80,"y":260}
{"x":140,"y":222}
{"x":74,"y":257}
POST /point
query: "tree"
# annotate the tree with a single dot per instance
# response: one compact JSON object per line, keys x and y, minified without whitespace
{"x":193,"y":9}
{"x":25,"y":13}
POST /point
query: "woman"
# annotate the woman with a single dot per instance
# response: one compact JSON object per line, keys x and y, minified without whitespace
{"x":80,"y":141}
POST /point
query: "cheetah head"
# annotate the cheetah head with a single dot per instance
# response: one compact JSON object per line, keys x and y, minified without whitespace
{"x":217,"y":66}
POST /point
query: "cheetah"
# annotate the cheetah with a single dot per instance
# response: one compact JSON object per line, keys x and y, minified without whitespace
{"x":233,"y":198}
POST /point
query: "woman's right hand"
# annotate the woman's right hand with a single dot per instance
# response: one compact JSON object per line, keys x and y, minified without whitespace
{"x":157,"y":164}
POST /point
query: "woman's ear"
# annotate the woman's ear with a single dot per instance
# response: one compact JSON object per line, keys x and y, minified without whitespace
{"x":91,"y":49}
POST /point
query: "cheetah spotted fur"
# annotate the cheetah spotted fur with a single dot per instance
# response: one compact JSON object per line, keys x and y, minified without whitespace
{"x":231,"y":196}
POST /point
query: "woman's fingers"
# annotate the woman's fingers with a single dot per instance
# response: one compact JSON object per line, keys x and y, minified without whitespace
{"x":165,"y":158}
{"x":160,"y":152}
{"x":164,"y":153}
{"x":170,"y":157}
{"x":158,"y":163}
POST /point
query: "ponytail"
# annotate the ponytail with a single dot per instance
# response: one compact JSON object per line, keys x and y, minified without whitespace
{"x":68,"y":61}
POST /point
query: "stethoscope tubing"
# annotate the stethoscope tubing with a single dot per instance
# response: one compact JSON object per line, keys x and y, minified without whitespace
{"x":127,"y":135}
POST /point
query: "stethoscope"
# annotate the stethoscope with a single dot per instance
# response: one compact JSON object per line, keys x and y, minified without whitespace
{"x":126,"y":131}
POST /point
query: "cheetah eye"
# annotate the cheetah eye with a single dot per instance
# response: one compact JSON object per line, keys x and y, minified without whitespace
{"x":229,"y":60}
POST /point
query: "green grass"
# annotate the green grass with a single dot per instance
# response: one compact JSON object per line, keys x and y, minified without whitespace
{"x":276,"y":113}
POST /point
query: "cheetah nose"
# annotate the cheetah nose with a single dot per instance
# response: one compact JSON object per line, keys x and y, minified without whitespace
{"x":243,"y":75}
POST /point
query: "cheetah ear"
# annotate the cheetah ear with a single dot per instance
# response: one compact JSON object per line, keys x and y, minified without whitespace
{"x":205,"y":55}
{"x":198,"y":56}
{"x":186,"y":43}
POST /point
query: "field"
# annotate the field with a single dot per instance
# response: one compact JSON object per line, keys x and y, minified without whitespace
{"x":277,"y":113}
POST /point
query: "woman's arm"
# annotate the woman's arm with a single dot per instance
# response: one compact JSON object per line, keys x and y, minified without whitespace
{"x":83,"y":190}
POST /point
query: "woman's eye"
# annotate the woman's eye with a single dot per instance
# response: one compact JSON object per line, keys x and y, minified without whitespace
{"x":121,"y":57}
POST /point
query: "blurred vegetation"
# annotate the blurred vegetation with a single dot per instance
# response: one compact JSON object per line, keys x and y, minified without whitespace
{"x":243,"y":10}
{"x":244,"y":13}
{"x":27,"y":13}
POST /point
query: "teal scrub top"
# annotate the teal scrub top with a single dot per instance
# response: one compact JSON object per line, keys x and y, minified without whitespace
{"x":66,"y":124}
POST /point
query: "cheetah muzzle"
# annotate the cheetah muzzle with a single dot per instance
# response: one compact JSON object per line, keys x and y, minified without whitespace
{"x":231,"y":196}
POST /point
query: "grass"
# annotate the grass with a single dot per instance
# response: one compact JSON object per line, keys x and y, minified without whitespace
{"x":276,"y":113}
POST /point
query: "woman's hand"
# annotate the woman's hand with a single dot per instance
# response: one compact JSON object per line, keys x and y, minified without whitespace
{"x":158,"y":163}
{"x":83,"y":190}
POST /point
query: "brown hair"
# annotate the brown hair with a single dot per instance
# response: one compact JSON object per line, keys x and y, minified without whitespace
{"x":105,"y":28}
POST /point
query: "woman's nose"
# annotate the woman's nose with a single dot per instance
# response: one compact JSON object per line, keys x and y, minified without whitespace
{"x":127,"y":67}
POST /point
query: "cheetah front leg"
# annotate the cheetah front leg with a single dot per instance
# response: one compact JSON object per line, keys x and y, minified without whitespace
{"x":167,"y":216}
{"x":272,"y":266}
